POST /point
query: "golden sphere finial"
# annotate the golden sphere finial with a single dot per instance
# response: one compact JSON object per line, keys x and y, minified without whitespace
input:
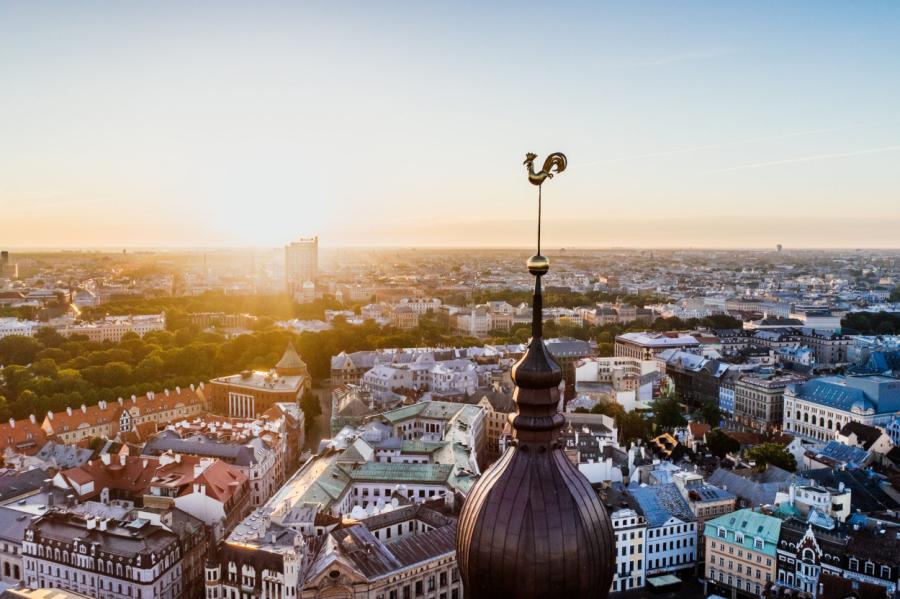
{"x":538,"y":265}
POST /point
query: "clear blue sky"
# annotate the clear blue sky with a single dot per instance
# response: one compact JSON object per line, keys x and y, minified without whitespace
{"x":217,"y":123}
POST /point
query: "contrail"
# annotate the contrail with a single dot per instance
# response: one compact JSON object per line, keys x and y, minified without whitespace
{"x":808,"y":159}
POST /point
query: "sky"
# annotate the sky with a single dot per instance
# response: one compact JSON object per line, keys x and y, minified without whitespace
{"x":686,"y":124}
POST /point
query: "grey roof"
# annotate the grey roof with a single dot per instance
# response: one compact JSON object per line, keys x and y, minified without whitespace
{"x":120,"y":538}
{"x":660,"y":502}
{"x":13,"y":524}
{"x":64,"y":456}
{"x":13,"y":484}
{"x":705,"y":492}
{"x":867,"y":489}
{"x":565,"y":347}
{"x":233,"y":453}
{"x":760,"y":490}
{"x":375,"y":558}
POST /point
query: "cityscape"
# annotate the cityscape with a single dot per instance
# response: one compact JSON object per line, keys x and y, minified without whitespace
{"x":289,"y":309}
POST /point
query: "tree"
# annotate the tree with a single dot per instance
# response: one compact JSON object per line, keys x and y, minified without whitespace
{"x":772,"y":453}
{"x":5,"y":410}
{"x":667,"y":413}
{"x":719,"y":444}
{"x":311,"y":407}
{"x":710,"y":413}
{"x":632,"y":427}
{"x":611,"y":409}
{"x":16,"y":349}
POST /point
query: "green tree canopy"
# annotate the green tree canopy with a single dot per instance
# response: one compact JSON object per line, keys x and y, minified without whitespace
{"x":720,"y":444}
{"x":667,"y":413}
{"x":632,"y":427}
{"x":771,"y":453}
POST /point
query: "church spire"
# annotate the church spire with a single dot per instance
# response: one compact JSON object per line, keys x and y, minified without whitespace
{"x":290,"y":363}
{"x":532,"y":526}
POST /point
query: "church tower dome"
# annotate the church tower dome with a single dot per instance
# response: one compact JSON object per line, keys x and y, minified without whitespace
{"x":532,"y":526}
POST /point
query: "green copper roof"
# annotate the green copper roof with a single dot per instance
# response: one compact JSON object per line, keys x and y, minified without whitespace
{"x":420,"y":447}
{"x":393,"y":472}
{"x":438,"y":410}
{"x":750,"y":526}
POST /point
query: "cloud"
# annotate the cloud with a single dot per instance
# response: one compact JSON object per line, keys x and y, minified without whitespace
{"x":683,"y":57}
{"x":812,"y":158}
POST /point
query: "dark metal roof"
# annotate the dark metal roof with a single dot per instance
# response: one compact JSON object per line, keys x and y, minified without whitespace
{"x":532,"y":526}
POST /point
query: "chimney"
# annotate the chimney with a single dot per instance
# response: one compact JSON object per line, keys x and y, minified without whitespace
{"x":192,"y":386}
{"x":91,"y":523}
{"x":12,"y":422}
{"x":133,"y":399}
{"x":33,"y":419}
{"x":121,"y":401}
{"x":177,"y":390}
{"x":105,"y":458}
{"x":103,"y":523}
{"x":122,"y":459}
{"x":69,"y":410}
{"x":83,"y":409}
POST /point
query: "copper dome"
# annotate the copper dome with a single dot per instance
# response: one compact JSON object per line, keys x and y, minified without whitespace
{"x":532,"y":526}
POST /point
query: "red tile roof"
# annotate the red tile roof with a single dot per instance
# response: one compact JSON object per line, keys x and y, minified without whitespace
{"x":22,"y":436}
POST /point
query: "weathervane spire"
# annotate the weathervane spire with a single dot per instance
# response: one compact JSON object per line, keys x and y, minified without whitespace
{"x":538,"y":265}
{"x":532,"y":526}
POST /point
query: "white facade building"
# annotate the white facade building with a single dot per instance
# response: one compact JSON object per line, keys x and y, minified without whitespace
{"x":630,"y":529}
{"x":106,"y":559}
{"x":818,"y":409}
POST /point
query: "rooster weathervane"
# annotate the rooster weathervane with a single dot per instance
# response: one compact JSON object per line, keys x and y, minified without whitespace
{"x":554,"y":164}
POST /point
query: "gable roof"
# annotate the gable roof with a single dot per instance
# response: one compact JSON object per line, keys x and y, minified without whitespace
{"x":866,"y":435}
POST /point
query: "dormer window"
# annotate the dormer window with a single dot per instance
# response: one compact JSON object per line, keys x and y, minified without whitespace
{"x":758,"y":543}
{"x":738,"y":537}
{"x":723,"y":534}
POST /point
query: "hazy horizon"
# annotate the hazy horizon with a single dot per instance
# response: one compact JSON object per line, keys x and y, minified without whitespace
{"x":405,"y":124}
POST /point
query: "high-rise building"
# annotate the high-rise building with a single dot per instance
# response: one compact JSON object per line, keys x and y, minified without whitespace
{"x":301,"y":264}
{"x":6,"y":269}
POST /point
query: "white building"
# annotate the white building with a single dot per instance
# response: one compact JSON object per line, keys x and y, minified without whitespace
{"x":13,"y":326}
{"x":106,"y":559}
{"x":630,"y":529}
{"x":671,"y":541}
{"x":421,"y":305}
{"x":818,"y":409}
{"x":113,"y":328}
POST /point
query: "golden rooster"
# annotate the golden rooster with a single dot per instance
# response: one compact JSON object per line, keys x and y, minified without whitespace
{"x":555,"y":161}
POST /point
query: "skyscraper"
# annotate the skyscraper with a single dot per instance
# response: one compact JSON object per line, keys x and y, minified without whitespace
{"x":301,"y":265}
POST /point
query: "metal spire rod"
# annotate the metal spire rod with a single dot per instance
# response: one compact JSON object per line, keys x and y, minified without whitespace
{"x":540,"y":187}
{"x":538,"y":265}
